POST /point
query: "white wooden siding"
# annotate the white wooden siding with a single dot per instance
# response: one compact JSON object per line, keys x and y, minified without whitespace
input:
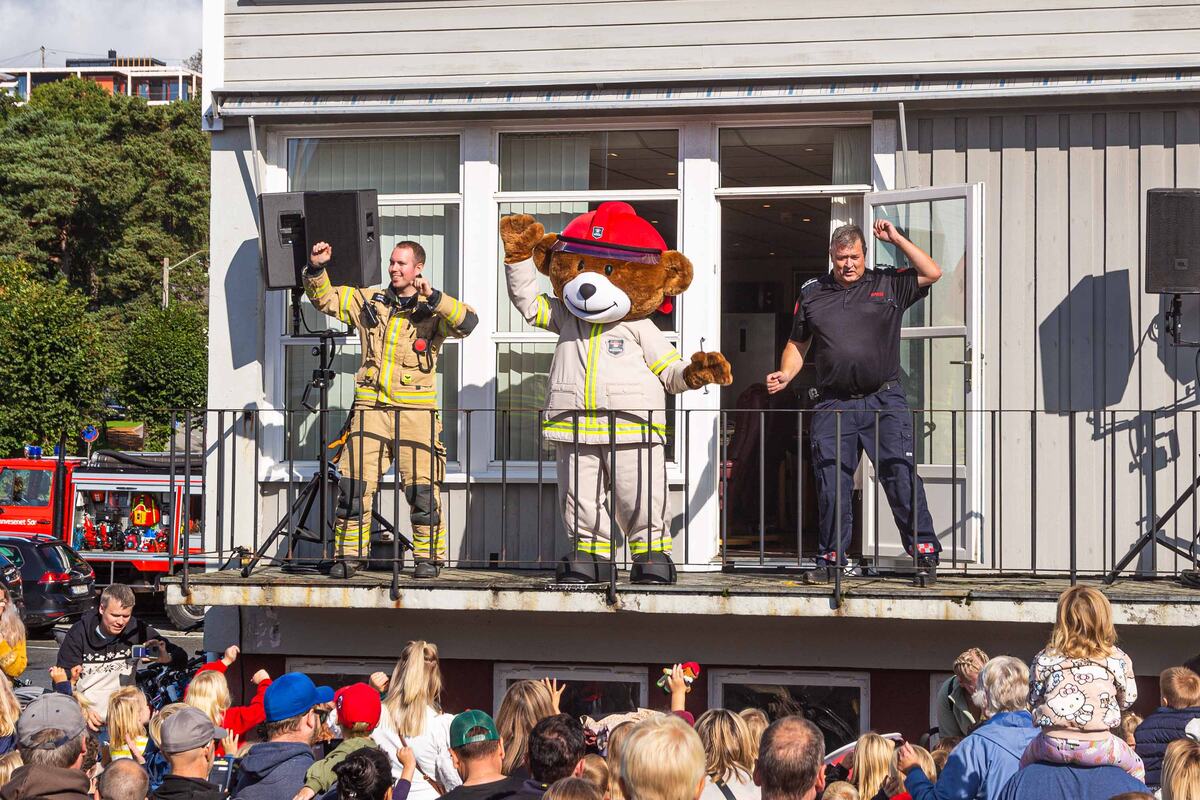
{"x":1068,"y":327}
{"x":435,"y":43}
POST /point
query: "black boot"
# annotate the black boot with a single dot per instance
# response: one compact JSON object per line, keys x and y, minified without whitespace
{"x":583,"y":568}
{"x":427,"y":569}
{"x":652,"y":568}
{"x":344,"y":569}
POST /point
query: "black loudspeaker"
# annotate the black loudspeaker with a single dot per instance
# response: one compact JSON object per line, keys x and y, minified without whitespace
{"x":281,"y":233}
{"x":292,"y":222}
{"x":1173,"y":241}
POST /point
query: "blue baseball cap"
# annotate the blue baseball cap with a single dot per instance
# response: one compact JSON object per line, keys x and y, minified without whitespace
{"x":293,"y":694}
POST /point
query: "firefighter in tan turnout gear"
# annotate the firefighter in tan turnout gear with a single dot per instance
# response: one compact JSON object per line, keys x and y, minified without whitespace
{"x":401,"y":327}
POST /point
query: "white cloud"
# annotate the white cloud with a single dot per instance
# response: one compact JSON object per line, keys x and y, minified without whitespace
{"x":165,"y":29}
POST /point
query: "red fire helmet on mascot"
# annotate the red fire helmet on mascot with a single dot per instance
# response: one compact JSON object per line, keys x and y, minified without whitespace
{"x":614,"y":230}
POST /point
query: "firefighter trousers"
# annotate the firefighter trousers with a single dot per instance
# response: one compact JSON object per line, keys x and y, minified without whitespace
{"x":593,"y":492}
{"x":377,"y":438}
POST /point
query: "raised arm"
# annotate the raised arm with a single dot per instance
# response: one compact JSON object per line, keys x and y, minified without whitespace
{"x":341,"y":302}
{"x":928,"y":272}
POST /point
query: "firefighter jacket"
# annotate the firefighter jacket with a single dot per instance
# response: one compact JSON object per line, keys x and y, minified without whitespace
{"x":400,"y":345}
{"x":625,"y":366}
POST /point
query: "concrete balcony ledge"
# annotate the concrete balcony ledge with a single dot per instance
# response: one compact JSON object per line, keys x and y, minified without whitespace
{"x":958,"y":598}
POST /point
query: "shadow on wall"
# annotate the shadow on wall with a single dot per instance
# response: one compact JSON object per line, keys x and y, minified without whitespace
{"x":1086,"y":346}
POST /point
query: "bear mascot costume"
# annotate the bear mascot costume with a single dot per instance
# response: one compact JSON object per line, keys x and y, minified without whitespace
{"x":610,"y":271}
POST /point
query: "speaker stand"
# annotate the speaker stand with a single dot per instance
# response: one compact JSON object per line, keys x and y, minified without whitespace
{"x":1155,"y":535}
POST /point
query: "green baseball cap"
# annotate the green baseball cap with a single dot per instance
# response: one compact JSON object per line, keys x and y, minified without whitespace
{"x":464,"y":723}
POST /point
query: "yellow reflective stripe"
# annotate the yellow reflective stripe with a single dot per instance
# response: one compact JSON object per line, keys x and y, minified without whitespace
{"x":319,"y":287}
{"x":458,"y":313}
{"x":347,"y":292}
{"x":598,"y":426}
{"x":542,"y":318}
{"x":595,"y":548}
{"x":638,"y":548}
{"x":670,"y":358}
{"x":389,"y":352}
{"x":589,"y":386}
{"x":425,"y":397}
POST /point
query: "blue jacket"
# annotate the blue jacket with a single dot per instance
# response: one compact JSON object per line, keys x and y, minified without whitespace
{"x":1059,"y":781}
{"x":981,"y":764}
{"x":1156,"y":732}
{"x":272,"y":771}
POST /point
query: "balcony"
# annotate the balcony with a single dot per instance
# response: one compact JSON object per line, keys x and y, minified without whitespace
{"x":1024,"y":503}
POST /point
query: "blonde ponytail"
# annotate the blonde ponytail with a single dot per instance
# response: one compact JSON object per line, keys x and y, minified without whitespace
{"x":416,"y":685}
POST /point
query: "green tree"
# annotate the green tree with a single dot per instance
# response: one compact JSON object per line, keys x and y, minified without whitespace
{"x":98,"y":189}
{"x":54,"y":360}
{"x":165,"y":367}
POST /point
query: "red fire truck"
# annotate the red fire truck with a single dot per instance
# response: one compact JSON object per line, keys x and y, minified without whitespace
{"x":131,"y":516}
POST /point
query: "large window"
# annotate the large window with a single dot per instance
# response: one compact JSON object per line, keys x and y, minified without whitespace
{"x":836,"y":702}
{"x":417,"y":178}
{"x":592,"y":691}
{"x":556,"y":177}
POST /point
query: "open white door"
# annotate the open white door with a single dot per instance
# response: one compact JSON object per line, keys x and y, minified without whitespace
{"x":941,"y":366}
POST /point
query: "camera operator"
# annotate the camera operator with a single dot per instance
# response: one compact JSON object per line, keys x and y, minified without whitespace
{"x":401,"y":327}
{"x":102,"y":643}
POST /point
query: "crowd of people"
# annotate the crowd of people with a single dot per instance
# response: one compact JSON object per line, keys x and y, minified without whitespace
{"x":1059,"y":727}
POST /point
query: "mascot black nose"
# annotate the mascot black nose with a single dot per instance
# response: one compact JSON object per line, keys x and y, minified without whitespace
{"x":587,"y":290}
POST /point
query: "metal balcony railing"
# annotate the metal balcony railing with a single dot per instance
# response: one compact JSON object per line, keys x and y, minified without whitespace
{"x":1071,"y":494}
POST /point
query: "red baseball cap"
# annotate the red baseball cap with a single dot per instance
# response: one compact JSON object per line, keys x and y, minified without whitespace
{"x":613,"y":230}
{"x":357,"y":703}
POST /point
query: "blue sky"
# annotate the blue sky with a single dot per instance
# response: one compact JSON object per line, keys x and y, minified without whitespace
{"x":166,"y":29}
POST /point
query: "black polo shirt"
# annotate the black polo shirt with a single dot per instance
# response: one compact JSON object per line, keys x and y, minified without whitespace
{"x":855,"y":329}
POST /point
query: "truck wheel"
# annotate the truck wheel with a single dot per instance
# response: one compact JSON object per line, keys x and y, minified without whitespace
{"x":184,"y":616}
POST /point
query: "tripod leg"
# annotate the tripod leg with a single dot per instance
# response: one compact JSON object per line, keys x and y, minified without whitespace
{"x":1152,"y":534}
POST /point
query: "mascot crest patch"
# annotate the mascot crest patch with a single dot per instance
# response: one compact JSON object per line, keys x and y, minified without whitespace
{"x":616,"y":347}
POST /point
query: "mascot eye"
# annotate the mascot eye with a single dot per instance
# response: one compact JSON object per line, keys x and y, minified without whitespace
{"x":608,"y":269}
{"x":579,"y":266}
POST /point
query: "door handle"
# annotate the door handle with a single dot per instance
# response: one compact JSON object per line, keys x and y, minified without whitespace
{"x":966,"y":362}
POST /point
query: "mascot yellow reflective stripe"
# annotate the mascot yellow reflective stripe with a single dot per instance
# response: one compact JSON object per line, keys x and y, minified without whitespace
{"x":596,"y":547}
{"x":408,"y":397}
{"x":601,"y":426}
{"x":639,"y":547}
{"x":541,"y":317}
{"x":589,"y":385}
{"x":667,"y":360}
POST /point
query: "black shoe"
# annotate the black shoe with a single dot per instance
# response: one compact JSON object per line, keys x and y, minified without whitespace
{"x":427,"y":569}
{"x":652,"y":568}
{"x":583,"y":568}
{"x":344,"y":569}
{"x":926,"y":571}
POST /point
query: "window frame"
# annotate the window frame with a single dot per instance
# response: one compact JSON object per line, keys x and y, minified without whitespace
{"x":500,"y":197}
{"x":277,"y":314}
{"x":718,"y":677}
{"x":504,"y":671}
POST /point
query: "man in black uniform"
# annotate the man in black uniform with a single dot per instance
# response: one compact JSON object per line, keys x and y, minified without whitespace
{"x":849,"y":319}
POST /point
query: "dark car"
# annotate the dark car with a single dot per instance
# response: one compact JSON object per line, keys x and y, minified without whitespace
{"x":59,"y":585}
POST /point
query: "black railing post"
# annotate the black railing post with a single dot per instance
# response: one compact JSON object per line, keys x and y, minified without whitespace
{"x":611,"y":594}
{"x":537,"y":457}
{"x":878,"y":466}
{"x":1073,"y":500}
{"x":687,"y":481}
{"x":254,"y":416}
{"x":837,"y":515}
{"x":1033,"y":516}
{"x":505,"y":435}
{"x":467,"y":526}
{"x":762,"y":487}
{"x":912,"y":511}
{"x":220,"y":521}
{"x":799,"y":487}
{"x":187,"y":493}
{"x":435,"y":498}
{"x":953,"y":489}
{"x":723,"y":483}
{"x":397,"y":552}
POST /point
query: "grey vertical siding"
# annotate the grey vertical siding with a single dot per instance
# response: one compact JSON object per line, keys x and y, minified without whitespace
{"x":1067,"y":326}
{"x":429,"y":43}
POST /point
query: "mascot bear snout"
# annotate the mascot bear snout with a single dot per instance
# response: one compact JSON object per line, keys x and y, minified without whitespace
{"x":594,"y":298}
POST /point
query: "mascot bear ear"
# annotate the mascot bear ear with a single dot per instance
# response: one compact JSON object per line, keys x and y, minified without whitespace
{"x":678,"y":272}
{"x":541,"y":253}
